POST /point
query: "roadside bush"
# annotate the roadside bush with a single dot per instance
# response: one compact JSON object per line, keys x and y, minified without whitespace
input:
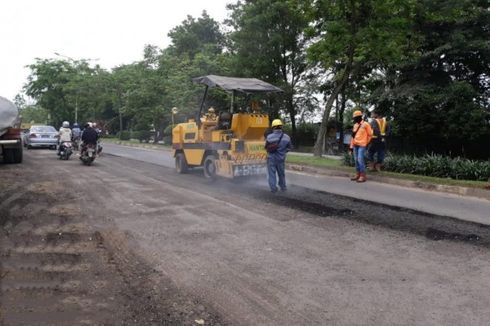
{"x":123,"y":135}
{"x":168,"y":130}
{"x":142,"y":135}
{"x":348,"y":160}
{"x":435,"y":166}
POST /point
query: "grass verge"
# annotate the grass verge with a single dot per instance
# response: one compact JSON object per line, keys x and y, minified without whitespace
{"x":328,"y":163}
{"x":135,"y":143}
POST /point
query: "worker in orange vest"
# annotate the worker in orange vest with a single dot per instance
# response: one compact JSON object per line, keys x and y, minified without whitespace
{"x":361,"y":136}
{"x":378,"y":145}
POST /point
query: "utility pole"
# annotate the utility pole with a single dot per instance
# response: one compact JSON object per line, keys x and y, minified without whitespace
{"x":120,"y":123}
{"x":76,"y":108}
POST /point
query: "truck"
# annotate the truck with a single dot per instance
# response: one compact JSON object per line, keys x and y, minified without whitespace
{"x":228,"y":143}
{"x":10,"y":132}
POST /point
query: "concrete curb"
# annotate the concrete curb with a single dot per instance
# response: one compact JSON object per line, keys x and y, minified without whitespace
{"x":457,"y":190}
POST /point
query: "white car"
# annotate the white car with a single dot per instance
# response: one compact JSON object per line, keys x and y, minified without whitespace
{"x":42,"y":136}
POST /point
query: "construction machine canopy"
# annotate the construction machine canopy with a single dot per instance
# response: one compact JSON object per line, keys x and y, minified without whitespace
{"x":235,"y":84}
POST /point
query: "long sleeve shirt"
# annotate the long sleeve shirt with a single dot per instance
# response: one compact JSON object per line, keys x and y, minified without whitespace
{"x":284,"y":145}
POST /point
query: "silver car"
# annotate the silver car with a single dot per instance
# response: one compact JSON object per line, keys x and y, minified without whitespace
{"x":42,"y":136}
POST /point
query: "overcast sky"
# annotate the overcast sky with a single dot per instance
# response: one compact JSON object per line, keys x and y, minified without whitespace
{"x":112,"y":32}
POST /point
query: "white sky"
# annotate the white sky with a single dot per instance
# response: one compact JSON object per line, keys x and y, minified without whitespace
{"x":114,"y":32}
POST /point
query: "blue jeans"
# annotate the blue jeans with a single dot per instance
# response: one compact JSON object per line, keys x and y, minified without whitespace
{"x":359,"y":158}
{"x":379,"y":149}
{"x":274,"y":167}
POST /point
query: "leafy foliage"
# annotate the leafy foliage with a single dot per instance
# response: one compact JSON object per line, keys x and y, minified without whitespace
{"x":425,"y":63}
{"x":435,"y":166}
{"x":268,"y":42}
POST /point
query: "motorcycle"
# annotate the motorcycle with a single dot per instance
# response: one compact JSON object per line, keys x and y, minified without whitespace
{"x":76,"y":143}
{"x":88,"y":154}
{"x":65,"y":150}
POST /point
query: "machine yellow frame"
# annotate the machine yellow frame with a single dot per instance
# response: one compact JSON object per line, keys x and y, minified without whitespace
{"x":232,"y":150}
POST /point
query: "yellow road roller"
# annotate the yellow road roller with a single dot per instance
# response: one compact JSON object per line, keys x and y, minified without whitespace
{"x":225,"y":143}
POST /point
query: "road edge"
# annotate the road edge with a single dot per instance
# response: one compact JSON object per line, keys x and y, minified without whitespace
{"x":455,"y":190}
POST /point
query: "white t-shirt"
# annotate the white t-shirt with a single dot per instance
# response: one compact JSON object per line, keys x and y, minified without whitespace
{"x":65,"y":134}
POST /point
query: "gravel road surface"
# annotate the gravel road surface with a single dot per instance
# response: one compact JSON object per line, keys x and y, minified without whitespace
{"x":460,"y":207}
{"x":134,"y":243}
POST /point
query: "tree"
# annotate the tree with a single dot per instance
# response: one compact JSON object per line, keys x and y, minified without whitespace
{"x":196,"y":49}
{"x":439,"y":99}
{"x":350,"y":35}
{"x":34,"y":114}
{"x":268,"y":43}
{"x":68,"y":90}
{"x":197,"y":35}
{"x":46,"y":85}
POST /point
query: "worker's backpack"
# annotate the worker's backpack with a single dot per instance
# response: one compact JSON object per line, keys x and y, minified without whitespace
{"x":272,"y":147}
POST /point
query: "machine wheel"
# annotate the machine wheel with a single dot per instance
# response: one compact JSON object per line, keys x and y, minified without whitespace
{"x":181,"y":163}
{"x":209,"y":166}
{"x":7,"y":156}
{"x":13,"y":155}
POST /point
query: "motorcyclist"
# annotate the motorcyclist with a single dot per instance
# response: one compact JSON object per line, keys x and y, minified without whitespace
{"x":96,"y":128}
{"x":89,"y":136}
{"x":99,"y":133}
{"x":64,"y":134}
{"x":76,"y":132}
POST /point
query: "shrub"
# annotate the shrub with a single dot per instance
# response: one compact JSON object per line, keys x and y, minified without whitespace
{"x":440,"y":166}
{"x":435,"y":166}
{"x":348,"y":160}
{"x":142,"y":135}
{"x":124,"y":135}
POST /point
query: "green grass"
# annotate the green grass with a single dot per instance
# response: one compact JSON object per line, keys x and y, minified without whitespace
{"x":316,"y":161}
{"x":134,"y":142}
{"x":333,"y":164}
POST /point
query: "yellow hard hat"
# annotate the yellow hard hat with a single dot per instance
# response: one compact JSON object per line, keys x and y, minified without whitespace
{"x":211,"y":110}
{"x":357,"y":113}
{"x":276,"y":123}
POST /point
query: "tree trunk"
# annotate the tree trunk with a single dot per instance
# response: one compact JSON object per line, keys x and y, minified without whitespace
{"x":292,"y":116}
{"x":341,"y":121}
{"x":318,"y":149}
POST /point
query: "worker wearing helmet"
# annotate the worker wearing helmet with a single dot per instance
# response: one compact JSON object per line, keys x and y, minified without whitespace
{"x":64,"y":134}
{"x":210,"y":116}
{"x":361,"y":137}
{"x":381,"y":130}
{"x":277,"y":144}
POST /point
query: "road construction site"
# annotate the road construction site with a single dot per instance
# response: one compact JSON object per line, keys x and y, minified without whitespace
{"x":128,"y":241}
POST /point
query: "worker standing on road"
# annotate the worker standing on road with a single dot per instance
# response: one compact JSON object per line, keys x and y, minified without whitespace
{"x":277,"y":144}
{"x":361,"y":136}
{"x":378,"y":145}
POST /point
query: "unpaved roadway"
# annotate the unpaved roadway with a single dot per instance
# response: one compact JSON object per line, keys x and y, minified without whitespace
{"x":130,"y":242}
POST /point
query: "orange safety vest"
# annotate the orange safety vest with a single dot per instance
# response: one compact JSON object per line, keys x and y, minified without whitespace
{"x":363,"y":132}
